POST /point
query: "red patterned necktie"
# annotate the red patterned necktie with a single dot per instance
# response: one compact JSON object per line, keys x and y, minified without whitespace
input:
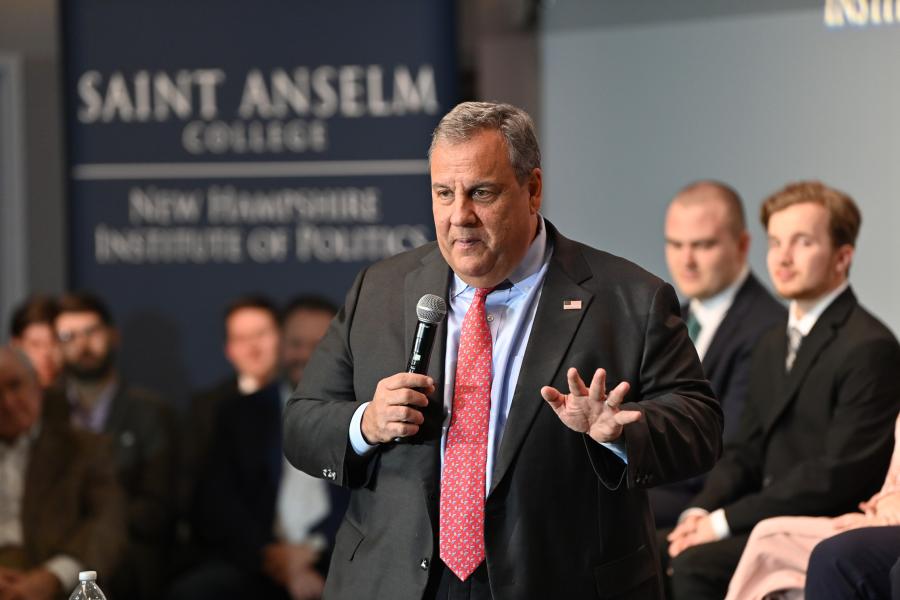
{"x":465,"y":455}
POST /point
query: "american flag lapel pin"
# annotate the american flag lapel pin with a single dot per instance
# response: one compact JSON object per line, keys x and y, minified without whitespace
{"x":571,"y":304}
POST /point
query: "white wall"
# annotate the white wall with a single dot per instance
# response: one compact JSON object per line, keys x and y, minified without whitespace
{"x":633,"y":111}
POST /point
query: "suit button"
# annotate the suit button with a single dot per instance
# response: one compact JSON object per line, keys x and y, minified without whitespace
{"x":424,"y":564}
{"x":767,"y":481}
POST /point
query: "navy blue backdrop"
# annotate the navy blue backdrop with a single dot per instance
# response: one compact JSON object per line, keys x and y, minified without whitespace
{"x":218,"y":148}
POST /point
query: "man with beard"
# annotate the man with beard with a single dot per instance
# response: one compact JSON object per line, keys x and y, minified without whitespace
{"x":142,"y":429}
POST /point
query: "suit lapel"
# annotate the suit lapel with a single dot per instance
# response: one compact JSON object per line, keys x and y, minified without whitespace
{"x":117,"y":408}
{"x":432,"y":277}
{"x":550,"y":337}
{"x":820,"y":337}
{"x":730,"y":325}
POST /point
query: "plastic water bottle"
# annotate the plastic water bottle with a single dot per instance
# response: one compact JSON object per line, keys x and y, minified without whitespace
{"x":87,"y":587}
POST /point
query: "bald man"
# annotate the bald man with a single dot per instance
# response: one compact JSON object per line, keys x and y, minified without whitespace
{"x":727,"y":309}
{"x":61,"y":509}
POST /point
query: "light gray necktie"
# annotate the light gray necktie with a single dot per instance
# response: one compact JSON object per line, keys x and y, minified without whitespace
{"x":794,"y":339}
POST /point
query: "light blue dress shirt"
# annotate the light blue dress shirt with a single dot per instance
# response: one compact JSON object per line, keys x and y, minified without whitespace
{"x":510,"y":314}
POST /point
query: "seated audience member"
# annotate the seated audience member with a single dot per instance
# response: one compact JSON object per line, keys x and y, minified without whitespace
{"x":268,"y":525}
{"x":31,"y":330}
{"x":727,"y":309}
{"x":61,"y":509}
{"x":251,"y":346}
{"x":777,"y":553}
{"x":861,"y":564}
{"x":143,"y":431}
{"x":813,"y":438}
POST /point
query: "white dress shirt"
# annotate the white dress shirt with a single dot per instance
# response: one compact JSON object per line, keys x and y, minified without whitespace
{"x":805,"y":324}
{"x":710,"y":312}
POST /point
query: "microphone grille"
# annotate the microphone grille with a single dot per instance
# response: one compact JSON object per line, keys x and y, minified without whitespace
{"x":431,"y":309}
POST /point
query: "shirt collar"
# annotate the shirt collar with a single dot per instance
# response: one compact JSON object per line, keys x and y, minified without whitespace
{"x":248,"y":385}
{"x":95,"y":419}
{"x":806,"y":323}
{"x":719,"y":303}
{"x":522,"y":277}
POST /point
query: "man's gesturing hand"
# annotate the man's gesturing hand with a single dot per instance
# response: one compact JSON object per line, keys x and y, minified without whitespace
{"x":390,"y":414}
{"x":592,"y":411}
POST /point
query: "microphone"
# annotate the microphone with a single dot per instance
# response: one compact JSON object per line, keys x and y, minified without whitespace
{"x":430,"y":311}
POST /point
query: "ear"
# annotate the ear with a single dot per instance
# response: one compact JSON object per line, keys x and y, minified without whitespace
{"x":744,"y":244}
{"x":535,"y":188}
{"x":843,"y":258}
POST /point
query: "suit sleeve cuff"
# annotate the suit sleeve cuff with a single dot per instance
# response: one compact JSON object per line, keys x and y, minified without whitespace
{"x":618,"y":448}
{"x":66,"y":569}
{"x":719,"y":524}
{"x":690,"y":512}
{"x":357,"y":441}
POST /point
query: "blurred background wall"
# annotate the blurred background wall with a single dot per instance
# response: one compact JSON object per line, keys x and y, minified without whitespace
{"x":639,"y":98}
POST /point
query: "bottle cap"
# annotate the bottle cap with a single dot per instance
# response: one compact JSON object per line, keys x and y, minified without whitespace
{"x":87,"y":576}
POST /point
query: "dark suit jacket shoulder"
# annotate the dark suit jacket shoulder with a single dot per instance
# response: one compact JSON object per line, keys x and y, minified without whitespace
{"x":237,"y":487}
{"x":818,"y":440}
{"x":604,"y":539}
{"x":143,"y":429}
{"x":726,"y":363}
{"x":196,"y":435}
{"x":73,"y":504}
{"x":237,"y":497}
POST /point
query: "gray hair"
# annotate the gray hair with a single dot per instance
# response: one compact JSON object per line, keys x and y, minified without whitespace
{"x":515,"y":125}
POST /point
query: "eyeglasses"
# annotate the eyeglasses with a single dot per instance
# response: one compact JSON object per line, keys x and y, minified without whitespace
{"x":67,"y":337}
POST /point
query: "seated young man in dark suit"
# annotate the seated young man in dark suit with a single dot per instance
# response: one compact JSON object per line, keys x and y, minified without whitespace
{"x":727,"y":308}
{"x":268,"y":526}
{"x":815,"y":434}
{"x":251,"y":347}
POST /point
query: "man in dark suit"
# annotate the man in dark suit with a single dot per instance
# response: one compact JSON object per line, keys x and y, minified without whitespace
{"x":61,"y":509}
{"x":251,"y":347}
{"x":727,"y":309}
{"x":142,"y":428}
{"x":481,"y":479}
{"x":269,"y":528}
{"x":815,"y":433}
{"x":860,"y":563}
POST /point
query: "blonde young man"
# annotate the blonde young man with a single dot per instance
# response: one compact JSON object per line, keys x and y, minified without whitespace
{"x":815,"y":436}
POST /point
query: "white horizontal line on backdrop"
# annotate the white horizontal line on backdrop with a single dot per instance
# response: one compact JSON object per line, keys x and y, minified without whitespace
{"x":248,"y":170}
